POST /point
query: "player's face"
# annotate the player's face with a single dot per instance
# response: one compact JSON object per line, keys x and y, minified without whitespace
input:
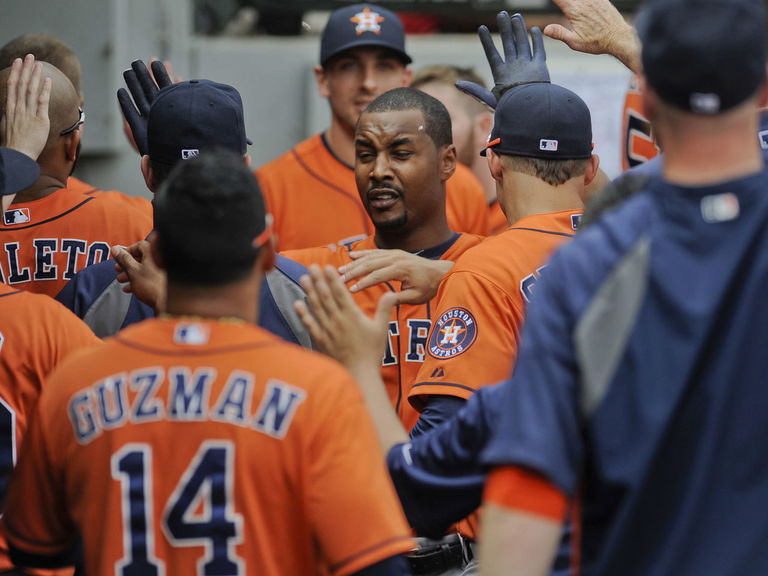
{"x":399,"y":171}
{"x":462,"y":123}
{"x":353,"y":79}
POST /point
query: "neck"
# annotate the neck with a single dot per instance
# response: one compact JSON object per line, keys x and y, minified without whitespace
{"x":523,"y":195}
{"x":711,"y":152}
{"x":46,"y":185}
{"x":426,"y":236}
{"x":342,"y":142}
{"x":480,"y":170}
{"x":237,"y":300}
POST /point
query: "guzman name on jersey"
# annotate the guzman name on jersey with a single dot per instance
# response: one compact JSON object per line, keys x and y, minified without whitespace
{"x":132,"y":398}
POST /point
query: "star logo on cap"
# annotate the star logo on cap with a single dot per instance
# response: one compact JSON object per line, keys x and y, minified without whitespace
{"x":367,"y":21}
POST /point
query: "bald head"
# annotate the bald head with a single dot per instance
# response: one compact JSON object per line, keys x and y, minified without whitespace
{"x":63,"y":107}
{"x":45,"y":48}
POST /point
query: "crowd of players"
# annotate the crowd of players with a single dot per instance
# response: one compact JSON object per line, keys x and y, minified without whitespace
{"x":599,"y":412}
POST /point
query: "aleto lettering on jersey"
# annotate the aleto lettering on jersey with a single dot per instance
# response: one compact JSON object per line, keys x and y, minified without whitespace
{"x":454,"y":332}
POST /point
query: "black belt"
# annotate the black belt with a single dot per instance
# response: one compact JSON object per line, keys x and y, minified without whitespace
{"x":437,"y":556}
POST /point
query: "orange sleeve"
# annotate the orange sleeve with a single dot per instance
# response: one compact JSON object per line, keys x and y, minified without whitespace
{"x":35,"y":519}
{"x":465,"y":205}
{"x":353,"y":506}
{"x":471,"y":342}
{"x":519,"y":489}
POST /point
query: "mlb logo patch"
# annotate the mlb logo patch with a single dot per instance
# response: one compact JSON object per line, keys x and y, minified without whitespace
{"x":720,"y":208}
{"x":548,"y":145}
{"x":763,"y":136}
{"x":16,"y":216}
{"x":189,"y":153}
{"x":191,"y":334}
{"x":367,"y":21}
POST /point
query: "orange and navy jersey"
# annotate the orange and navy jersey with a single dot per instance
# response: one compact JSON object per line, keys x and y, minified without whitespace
{"x":409,"y":323}
{"x":36,"y":334}
{"x":314,"y":200}
{"x":481,"y":304}
{"x":139,"y":203}
{"x":46,"y":241}
{"x":191,"y":446}
{"x":638,"y":144}
{"x":497,"y":220}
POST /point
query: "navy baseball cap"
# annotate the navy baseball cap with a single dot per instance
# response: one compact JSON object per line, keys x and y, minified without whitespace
{"x":362,"y":25}
{"x":192,"y":116}
{"x":704,"y":56}
{"x":17,"y":171}
{"x":541,"y":121}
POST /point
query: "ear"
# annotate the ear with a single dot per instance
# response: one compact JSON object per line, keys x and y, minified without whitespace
{"x":494,"y":165}
{"x":71,"y":145}
{"x":266,"y":259}
{"x":483,"y":127}
{"x":447,"y":162}
{"x":146,"y":171}
{"x":407,"y":76}
{"x":154,"y":250}
{"x":248,"y":160}
{"x":763,"y":96}
{"x":321,"y":79}
{"x":648,"y":105}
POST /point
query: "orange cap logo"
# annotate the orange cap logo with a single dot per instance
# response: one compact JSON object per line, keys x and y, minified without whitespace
{"x":367,"y":21}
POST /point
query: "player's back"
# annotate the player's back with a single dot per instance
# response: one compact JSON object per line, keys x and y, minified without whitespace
{"x":36,"y":334}
{"x":47,"y":240}
{"x":210,"y":447}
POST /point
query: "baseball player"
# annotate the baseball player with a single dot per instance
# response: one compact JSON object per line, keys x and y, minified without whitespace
{"x":198,"y":443}
{"x":36,"y":333}
{"x":57,"y":53}
{"x":640,"y":380}
{"x":311,"y":188}
{"x":51,"y":232}
{"x":185,"y":119}
{"x":404,"y":156}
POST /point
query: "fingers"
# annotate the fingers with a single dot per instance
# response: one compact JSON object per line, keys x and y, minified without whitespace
{"x":318,"y":295}
{"x":384,"y":308}
{"x":520,"y":35}
{"x":341,"y":296}
{"x":478,"y":93}
{"x":12,"y":83}
{"x":146,"y":82}
{"x":507,"y":33}
{"x":317,"y":335}
{"x":538,"y":44}
{"x":134,"y":87}
{"x":491,"y":54}
{"x":125,"y":259}
{"x":558,"y":32}
{"x":160,"y":74}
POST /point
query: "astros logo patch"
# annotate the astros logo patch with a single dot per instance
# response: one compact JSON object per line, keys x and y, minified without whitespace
{"x":367,"y":21}
{"x":454,"y":332}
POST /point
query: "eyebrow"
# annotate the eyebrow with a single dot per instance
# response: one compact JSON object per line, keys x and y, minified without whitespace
{"x":401,"y":141}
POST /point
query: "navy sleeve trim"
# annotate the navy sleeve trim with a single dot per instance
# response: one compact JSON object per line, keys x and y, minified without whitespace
{"x":339,"y":565}
{"x":544,"y":231}
{"x":452,"y":384}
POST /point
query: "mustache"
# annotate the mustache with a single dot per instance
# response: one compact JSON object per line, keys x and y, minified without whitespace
{"x":384,"y":186}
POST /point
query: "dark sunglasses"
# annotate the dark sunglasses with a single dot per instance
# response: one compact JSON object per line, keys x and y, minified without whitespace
{"x":76,"y":125}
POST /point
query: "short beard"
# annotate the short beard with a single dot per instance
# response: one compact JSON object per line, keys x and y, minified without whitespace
{"x":393,"y":225}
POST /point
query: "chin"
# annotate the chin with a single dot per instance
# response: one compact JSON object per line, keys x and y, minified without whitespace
{"x":394,"y":223}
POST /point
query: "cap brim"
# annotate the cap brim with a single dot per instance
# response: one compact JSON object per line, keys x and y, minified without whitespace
{"x":19,"y":171}
{"x":367,"y":42}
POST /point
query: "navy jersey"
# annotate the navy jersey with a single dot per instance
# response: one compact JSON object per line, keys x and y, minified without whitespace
{"x":95,"y":295}
{"x":640,"y":384}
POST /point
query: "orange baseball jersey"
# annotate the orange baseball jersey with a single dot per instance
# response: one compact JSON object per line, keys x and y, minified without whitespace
{"x":139,"y":203}
{"x":638,"y":144}
{"x":480,"y":307}
{"x":314,"y":200}
{"x":47,"y":240}
{"x":191,"y":446}
{"x":409,"y":323}
{"x":36,"y":334}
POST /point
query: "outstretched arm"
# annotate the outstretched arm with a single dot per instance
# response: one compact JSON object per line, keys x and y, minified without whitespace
{"x":341,"y":330}
{"x":419,"y":277}
{"x":597,"y":27}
